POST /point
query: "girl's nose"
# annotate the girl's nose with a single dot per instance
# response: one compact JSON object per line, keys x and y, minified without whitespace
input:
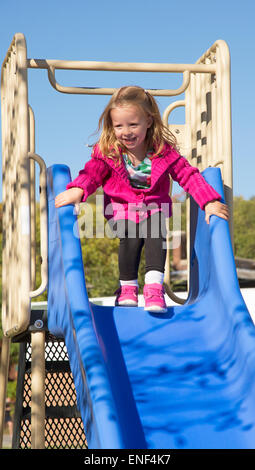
{"x":127,"y":131}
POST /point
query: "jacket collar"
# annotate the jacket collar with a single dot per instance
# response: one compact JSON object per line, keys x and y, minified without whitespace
{"x":160,"y":163}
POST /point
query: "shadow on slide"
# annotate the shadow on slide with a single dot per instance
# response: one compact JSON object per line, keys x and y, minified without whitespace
{"x":185,"y":379}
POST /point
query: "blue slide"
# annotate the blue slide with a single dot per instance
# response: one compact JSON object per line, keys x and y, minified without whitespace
{"x":180,"y":380}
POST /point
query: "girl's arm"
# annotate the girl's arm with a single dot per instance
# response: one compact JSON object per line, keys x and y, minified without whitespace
{"x":86,"y":183}
{"x":191,"y":180}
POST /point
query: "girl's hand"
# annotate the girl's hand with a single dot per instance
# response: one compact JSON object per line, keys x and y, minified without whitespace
{"x":216,"y":208}
{"x":70,"y":196}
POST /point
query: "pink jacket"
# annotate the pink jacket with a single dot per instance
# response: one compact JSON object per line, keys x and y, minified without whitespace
{"x":122,"y":201}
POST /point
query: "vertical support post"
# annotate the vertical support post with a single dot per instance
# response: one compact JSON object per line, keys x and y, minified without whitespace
{"x":38,"y":390}
{"x":223,"y":71}
{"x":4,"y":369}
{"x":16,"y":189}
{"x":18,"y":413}
{"x":32,"y":198}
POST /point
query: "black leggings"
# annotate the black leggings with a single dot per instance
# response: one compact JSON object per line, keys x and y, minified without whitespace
{"x":150,"y":233}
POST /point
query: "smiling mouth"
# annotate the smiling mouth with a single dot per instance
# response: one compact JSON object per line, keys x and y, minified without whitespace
{"x":129,"y":141}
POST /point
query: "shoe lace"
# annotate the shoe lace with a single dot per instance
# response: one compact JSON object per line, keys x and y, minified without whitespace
{"x":154,"y":292}
{"x":126,"y":289}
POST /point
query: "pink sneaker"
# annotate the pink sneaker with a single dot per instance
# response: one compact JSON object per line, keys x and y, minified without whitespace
{"x":127,"y":296}
{"x":154,"y":298}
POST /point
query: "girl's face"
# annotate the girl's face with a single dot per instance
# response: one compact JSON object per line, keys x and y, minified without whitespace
{"x":130,"y":126}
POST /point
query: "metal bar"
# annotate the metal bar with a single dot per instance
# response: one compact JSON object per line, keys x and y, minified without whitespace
{"x":215,"y":153}
{"x":198,"y":134}
{"x":203,"y":123}
{"x":208,"y":91}
{"x":4,"y":370}
{"x":43,"y":225}
{"x":38,"y":390}
{"x":32,"y":198}
{"x":218,"y":163}
{"x":110,"y":91}
{"x":226,"y":123}
{"x":167,"y":276}
{"x":119,"y":66}
{"x":170,"y":108}
{"x":24,"y":230}
{"x":192,"y":95}
{"x":18,"y":413}
{"x":4,"y":195}
{"x":188,"y":144}
{"x":219,"y":117}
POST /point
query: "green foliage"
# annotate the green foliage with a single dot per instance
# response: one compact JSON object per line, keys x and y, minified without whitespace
{"x":43,"y":296}
{"x":244,"y":227}
{"x":11,"y":389}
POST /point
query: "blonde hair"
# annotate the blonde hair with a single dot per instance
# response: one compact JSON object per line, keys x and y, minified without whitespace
{"x":157,"y":134}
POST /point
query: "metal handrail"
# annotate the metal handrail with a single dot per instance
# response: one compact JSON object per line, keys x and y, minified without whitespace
{"x":120,"y":66}
{"x":110,"y":91}
{"x":167,"y":277}
{"x":170,"y":108}
{"x":43,"y":225}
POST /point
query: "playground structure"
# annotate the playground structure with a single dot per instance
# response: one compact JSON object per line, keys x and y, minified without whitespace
{"x":97,"y":342}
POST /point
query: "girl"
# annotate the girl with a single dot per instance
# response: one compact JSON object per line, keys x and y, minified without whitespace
{"x":132,"y":161}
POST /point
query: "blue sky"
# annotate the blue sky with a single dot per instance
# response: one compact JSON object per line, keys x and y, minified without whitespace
{"x":132,"y":31}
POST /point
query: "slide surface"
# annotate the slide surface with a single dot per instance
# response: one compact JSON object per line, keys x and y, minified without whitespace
{"x":180,"y":380}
